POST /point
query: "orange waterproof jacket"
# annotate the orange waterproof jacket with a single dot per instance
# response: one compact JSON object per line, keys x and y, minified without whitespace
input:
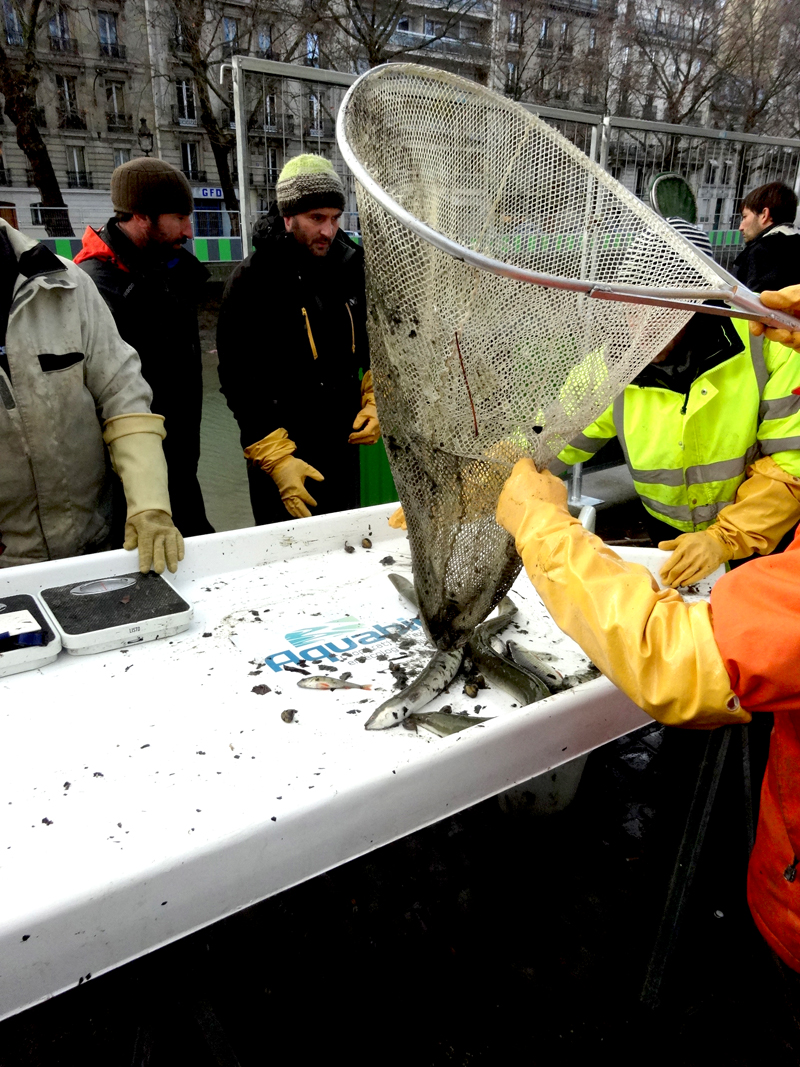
{"x":756,"y":619}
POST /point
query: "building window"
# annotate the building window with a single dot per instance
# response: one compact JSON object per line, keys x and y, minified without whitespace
{"x":190,"y":161}
{"x":109,"y":41}
{"x":230,"y":31}
{"x":77,"y":175}
{"x":312,"y":49}
{"x":270,"y":112}
{"x":515,"y":26}
{"x":404,"y":23}
{"x":186,"y":113}
{"x":115,"y":98}
{"x":544,"y":34}
{"x":265,"y":42}
{"x":592,"y":39}
{"x":70,"y":117}
{"x":121,"y":155}
{"x":60,"y":40}
{"x":434,"y":28}
{"x":13,"y":26}
{"x":314,"y":114}
{"x":564,"y":40}
{"x":272,"y":165}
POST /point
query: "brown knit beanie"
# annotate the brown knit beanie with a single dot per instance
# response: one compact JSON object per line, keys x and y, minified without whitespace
{"x":147,"y":186}
{"x":307,"y":182}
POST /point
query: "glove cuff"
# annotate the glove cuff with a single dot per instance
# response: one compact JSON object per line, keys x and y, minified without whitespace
{"x":270,"y":450}
{"x":138,"y":459}
{"x":367,"y":391}
{"x":136,"y":422}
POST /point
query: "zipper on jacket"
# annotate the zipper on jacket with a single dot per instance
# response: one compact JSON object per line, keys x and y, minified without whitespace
{"x":310,"y":334}
{"x":352,"y":327}
{"x":791,"y":871}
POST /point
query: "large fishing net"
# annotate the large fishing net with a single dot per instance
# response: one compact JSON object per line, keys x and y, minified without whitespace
{"x":472,"y":368}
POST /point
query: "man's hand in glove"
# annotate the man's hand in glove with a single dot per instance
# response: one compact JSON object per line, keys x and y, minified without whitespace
{"x":289,"y":475}
{"x":367,"y":427}
{"x":397,"y":520}
{"x":526,"y":484}
{"x":787,"y":299}
{"x":694,"y":557}
{"x":157,"y":538}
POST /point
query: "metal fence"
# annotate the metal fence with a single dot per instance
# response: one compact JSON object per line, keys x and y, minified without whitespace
{"x":286,"y":109}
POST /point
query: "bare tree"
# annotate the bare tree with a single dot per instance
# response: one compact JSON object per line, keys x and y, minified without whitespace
{"x":20,"y":78}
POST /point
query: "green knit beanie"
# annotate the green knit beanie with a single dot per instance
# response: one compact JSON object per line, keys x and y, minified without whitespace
{"x":308,"y":182}
{"x":147,"y":186}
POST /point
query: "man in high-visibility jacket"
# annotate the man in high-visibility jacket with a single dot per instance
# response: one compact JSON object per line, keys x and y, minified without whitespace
{"x":710,"y":431}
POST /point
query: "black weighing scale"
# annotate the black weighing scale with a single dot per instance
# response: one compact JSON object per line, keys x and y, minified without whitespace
{"x":101,"y":614}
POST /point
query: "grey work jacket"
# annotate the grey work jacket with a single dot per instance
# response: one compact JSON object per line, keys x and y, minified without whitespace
{"x":69,"y":372}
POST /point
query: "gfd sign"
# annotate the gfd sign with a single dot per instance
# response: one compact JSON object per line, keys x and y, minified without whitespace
{"x":209,"y":194}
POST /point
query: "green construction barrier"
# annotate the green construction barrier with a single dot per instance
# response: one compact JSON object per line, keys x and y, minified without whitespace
{"x":377,"y":484}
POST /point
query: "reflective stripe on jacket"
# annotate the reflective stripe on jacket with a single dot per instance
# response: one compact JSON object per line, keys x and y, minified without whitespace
{"x":688,"y":453}
{"x":69,"y":372}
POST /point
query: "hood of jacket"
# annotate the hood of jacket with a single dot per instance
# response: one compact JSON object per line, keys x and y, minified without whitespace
{"x":93,"y":246}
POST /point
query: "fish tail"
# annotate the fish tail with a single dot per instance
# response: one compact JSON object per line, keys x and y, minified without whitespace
{"x":366,"y":687}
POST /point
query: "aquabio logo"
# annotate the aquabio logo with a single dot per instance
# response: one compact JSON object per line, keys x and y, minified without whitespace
{"x":328,"y":640}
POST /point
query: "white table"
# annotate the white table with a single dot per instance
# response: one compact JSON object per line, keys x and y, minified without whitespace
{"x":189,"y":797}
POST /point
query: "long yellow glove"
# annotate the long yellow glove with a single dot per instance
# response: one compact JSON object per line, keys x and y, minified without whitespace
{"x":767,"y":505}
{"x":657,"y":649}
{"x":366,"y":424}
{"x":275,"y":455}
{"x":134,"y":442}
{"x":787,"y":299}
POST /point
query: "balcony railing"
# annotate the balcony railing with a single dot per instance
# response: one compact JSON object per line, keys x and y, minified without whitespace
{"x":320,"y":130}
{"x":230,"y":48}
{"x":179,"y":45}
{"x":117,"y":123}
{"x":39,"y":117}
{"x":545,"y":44}
{"x":113,"y":50}
{"x":443,"y":45}
{"x":72,"y":119}
{"x":5,"y":176}
{"x":194,"y":175}
{"x":227,"y":118}
{"x":79,"y":179}
{"x":180,"y":116}
{"x":67,"y":45}
{"x":261,"y":179}
{"x":29,"y":179}
{"x":275,"y":125}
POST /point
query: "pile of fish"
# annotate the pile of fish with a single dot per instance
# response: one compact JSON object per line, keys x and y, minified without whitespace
{"x":505,"y":663}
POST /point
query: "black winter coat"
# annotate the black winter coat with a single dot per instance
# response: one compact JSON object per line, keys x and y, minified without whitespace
{"x":154,"y":304}
{"x":770,"y":261}
{"x":267,"y":368}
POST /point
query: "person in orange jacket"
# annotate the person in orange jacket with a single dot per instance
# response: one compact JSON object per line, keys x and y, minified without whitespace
{"x":700,"y":664}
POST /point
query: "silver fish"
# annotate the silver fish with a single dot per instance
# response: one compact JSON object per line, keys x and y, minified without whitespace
{"x":441,"y":670}
{"x":404,"y":588}
{"x":319,"y":681}
{"x":526,"y":688}
{"x":444,"y":724}
{"x":529,"y":661}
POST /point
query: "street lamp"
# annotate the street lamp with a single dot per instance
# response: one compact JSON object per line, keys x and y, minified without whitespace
{"x":145,"y":137}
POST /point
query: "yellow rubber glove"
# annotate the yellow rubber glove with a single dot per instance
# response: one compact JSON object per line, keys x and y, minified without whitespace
{"x":275,"y":455}
{"x":694,"y":557}
{"x":657,"y":649}
{"x":289,"y":474}
{"x":134,"y":442}
{"x":767,"y":506}
{"x":157,"y":538}
{"x":366,"y":424}
{"x":525,"y":488}
{"x":397,"y":520}
{"x":787,"y":299}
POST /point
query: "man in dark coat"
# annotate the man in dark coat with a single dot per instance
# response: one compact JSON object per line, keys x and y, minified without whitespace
{"x":292,"y":346}
{"x":770,"y":258}
{"x":152,"y":286}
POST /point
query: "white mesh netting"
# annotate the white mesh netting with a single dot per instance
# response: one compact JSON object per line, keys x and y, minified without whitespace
{"x":473,"y":370}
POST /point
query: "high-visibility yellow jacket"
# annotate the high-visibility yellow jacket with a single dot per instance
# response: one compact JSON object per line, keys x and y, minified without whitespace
{"x":688,"y":452}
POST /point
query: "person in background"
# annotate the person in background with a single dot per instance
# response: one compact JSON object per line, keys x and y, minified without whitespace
{"x":152,"y":286}
{"x":685,"y":664}
{"x":771,"y":253}
{"x":292,"y":340}
{"x":71,"y":396}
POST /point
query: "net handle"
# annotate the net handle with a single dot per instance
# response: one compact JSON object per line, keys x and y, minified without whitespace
{"x":745,"y":303}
